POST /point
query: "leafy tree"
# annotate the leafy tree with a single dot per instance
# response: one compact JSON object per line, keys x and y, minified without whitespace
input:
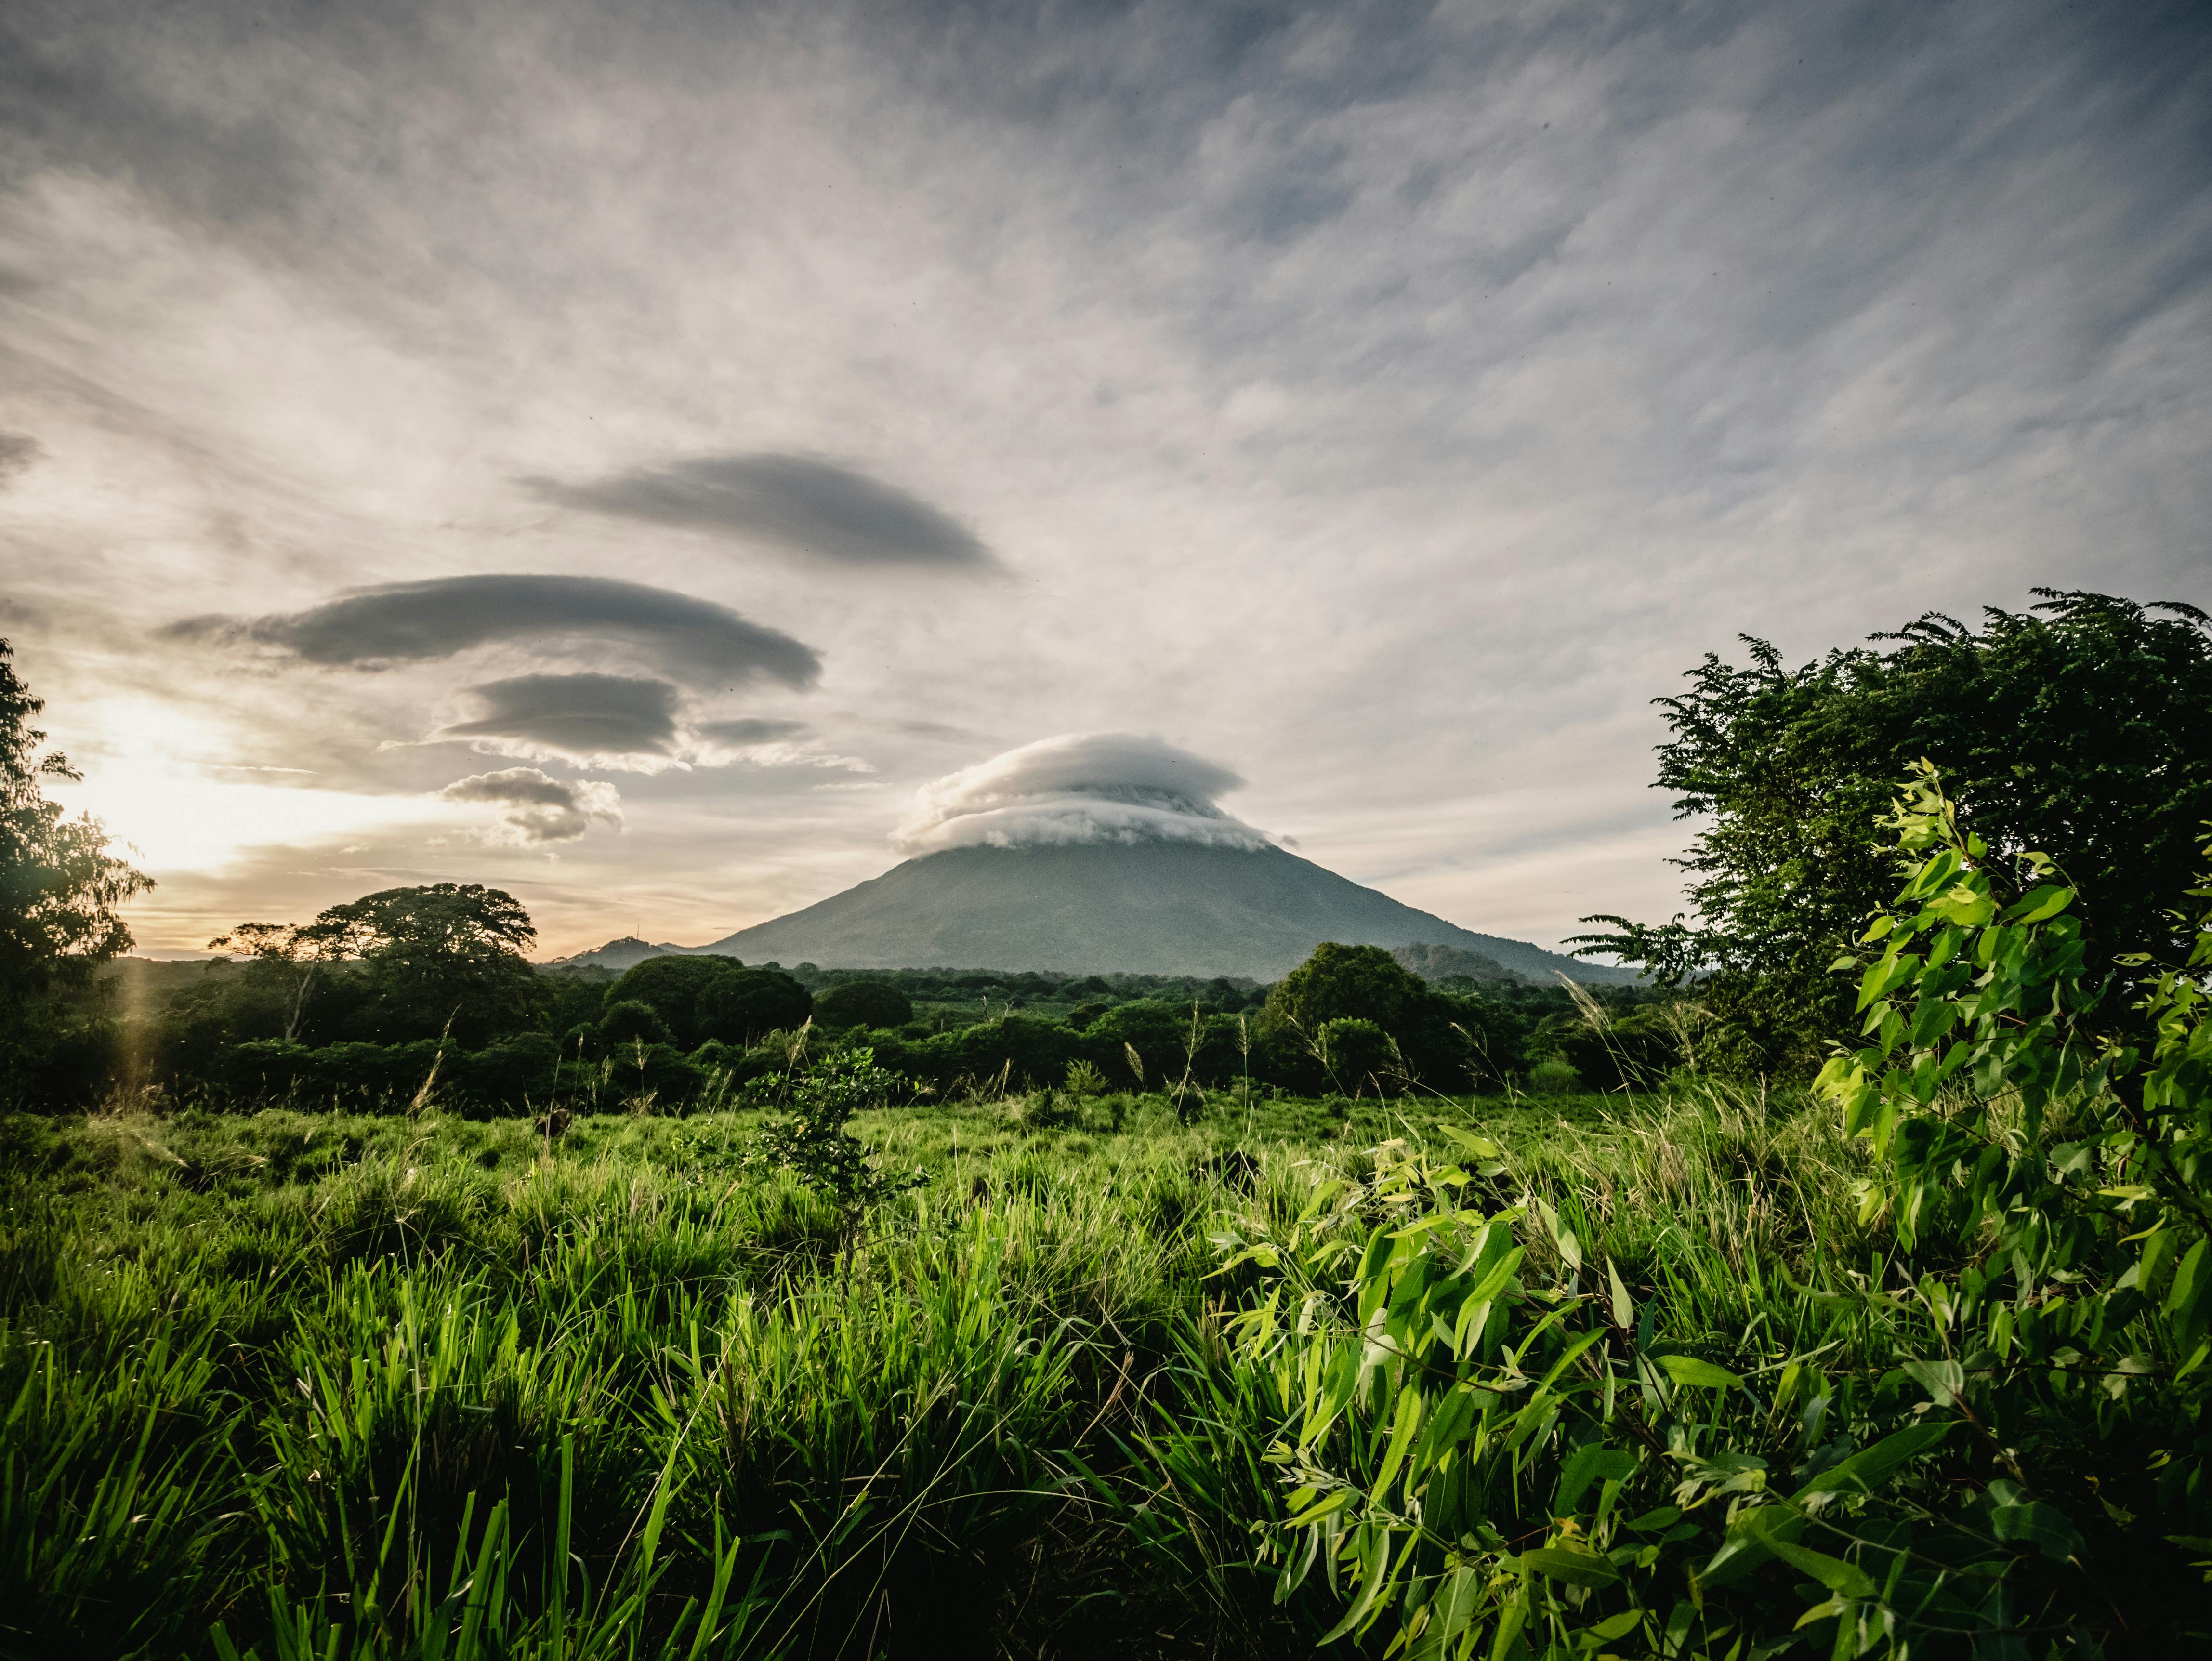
{"x":675,"y":986}
{"x":862,"y":1003}
{"x":445,"y":956}
{"x":293,"y":950}
{"x":2082,"y":728}
{"x":1348,"y":982}
{"x":1156,"y":1032}
{"x":1360,"y":1057}
{"x":631,"y":1020}
{"x":1367,"y":983}
{"x":748,"y":1004}
{"x":60,"y":889}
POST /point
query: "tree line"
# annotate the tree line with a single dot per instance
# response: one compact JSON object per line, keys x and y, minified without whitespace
{"x":2080,"y":730}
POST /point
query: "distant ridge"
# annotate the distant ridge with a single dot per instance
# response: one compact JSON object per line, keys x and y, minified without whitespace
{"x":1153,"y":906}
{"x":1437,"y":963}
{"x":618,"y":955}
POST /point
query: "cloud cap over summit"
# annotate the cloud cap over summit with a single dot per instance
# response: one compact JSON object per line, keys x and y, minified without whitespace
{"x":1078,"y":788}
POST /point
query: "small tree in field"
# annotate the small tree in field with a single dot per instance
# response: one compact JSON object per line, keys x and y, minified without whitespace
{"x":816,"y":1146}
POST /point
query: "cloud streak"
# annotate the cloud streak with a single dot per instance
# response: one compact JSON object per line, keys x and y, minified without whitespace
{"x":695,"y":639}
{"x":802,"y":503}
{"x":1078,"y":787}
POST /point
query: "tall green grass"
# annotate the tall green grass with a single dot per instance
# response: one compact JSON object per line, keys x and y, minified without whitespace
{"x":290,"y":1384}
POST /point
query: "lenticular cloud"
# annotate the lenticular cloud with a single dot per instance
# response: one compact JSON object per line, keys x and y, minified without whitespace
{"x":1078,"y":788}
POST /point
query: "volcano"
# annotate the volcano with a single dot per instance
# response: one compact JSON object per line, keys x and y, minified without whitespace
{"x":1147,"y":906}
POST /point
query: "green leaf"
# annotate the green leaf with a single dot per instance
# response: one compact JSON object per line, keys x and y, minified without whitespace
{"x":1699,"y":1374}
{"x":1481,"y":1147}
{"x":2047,"y":900}
{"x":1616,"y":1626}
{"x":1842,"y":1578}
{"x":1624,"y":1312}
{"x":1589,"y":1462}
{"x":2191,"y":1283}
{"x":1327,"y":1507}
{"x":1576,"y":1568}
{"x":2044,"y":1527}
{"x":1946,"y":1381}
{"x":1865,"y":1469}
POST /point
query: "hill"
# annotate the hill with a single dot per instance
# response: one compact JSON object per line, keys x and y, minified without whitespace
{"x":1153,"y":906}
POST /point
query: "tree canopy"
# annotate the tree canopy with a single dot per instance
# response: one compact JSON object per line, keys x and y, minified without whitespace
{"x":60,"y":889}
{"x":861,"y":1003}
{"x":2080,"y":728}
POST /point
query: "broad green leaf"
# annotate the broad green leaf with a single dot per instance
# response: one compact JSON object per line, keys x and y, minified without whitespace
{"x":1699,"y":1374}
{"x":2044,"y":1527}
{"x":1842,"y":1578}
{"x":1946,"y":1381}
{"x":1624,"y":1312}
{"x":1616,"y":1626}
{"x":1327,"y":1507}
{"x":1587,"y":1464}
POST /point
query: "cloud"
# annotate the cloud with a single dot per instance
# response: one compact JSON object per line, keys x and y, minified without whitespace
{"x":750,"y":730}
{"x":369,"y":627}
{"x":1078,"y":788}
{"x":589,"y":720}
{"x":538,"y":807}
{"x":17,"y":451}
{"x":799,"y":502}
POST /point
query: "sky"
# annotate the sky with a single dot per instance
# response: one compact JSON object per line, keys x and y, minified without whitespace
{"x":669,"y":460}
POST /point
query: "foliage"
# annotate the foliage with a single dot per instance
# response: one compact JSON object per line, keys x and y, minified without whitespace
{"x":747,"y":1004}
{"x":630,"y":1020}
{"x":60,"y":886}
{"x":2078,"y":1161}
{"x":1433,"y":1039}
{"x":2083,"y":728}
{"x":678,"y":987}
{"x":1482,"y":1383}
{"x":293,"y":950}
{"x":816,"y":1143}
{"x":861,"y":1003}
{"x":1359,"y":1057}
{"x":1354,"y":982}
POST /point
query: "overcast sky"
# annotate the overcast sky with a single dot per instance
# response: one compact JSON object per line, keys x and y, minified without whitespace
{"x":623,"y":453}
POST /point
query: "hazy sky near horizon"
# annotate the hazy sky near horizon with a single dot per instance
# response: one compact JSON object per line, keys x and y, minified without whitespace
{"x":623,"y":453}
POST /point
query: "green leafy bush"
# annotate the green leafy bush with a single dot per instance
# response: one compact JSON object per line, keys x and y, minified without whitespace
{"x":1492,"y":1448}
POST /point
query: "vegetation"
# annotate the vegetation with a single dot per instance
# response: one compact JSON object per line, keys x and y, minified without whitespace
{"x":695,"y":1313}
{"x":60,"y":892}
{"x":2082,"y":729}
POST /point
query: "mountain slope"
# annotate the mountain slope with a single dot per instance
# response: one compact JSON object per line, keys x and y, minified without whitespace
{"x":1152,"y":907}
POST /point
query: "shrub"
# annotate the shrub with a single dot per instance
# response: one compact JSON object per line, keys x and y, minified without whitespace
{"x":861,"y":1003}
{"x":1554,"y":1077}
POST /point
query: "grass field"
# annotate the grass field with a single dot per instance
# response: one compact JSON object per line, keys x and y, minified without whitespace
{"x":284,"y":1381}
{"x":302,"y":1385}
